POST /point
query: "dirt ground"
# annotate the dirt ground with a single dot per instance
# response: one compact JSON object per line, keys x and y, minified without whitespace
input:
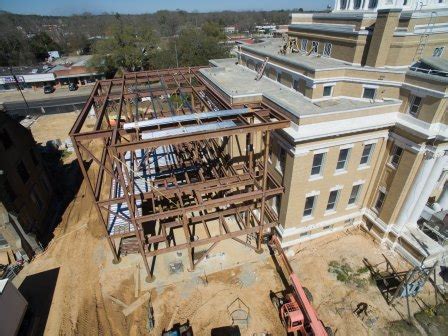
{"x":53,"y":126}
{"x":82,"y":303}
{"x":90,"y":292}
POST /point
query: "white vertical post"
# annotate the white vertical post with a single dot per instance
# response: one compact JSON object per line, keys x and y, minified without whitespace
{"x":443,"y":199}
{"x":415,"y":190}
{"x":441,"y":161}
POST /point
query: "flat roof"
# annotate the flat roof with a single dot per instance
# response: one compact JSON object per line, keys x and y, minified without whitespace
{"x":270,"y":48}
{"x":238,"y":81}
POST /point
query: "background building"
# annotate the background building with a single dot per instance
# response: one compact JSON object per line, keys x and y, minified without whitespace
{"x":366,"y":89}
{"x":25,"y":189}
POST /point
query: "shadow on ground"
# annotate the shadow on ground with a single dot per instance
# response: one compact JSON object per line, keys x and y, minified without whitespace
{"x":38,"y":290}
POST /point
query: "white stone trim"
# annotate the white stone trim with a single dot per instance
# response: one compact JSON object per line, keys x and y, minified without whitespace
{"x":360,"y":124}
{"x":347,"y":146}
{"x":406,"y":143}
{"x":312,"y":193}
{"x":337,"y":187}
{"x":303,"y":150}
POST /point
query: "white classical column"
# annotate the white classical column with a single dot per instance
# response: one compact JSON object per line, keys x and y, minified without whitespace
{"x":350,"y":4}
{"x":439,"y":166}
{"x":337,"y":5}
{"x":366,"y":4}
{"x":416,"y":189}
{"x":443,"y":199}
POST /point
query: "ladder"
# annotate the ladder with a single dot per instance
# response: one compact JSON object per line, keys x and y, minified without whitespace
{"x":262,"y":68}
{"x":425,"y":37}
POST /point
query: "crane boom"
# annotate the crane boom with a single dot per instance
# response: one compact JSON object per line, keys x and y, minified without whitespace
{"x":308,"y":310}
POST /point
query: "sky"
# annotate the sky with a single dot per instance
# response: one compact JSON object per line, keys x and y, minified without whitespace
{"x":69,"y":7}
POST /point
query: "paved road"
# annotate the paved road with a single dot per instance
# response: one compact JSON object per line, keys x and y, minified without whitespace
{"x":46,"y":106}
{"x":50,"y":102}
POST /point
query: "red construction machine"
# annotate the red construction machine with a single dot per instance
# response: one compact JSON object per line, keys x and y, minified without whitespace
{"x":295,"y":310}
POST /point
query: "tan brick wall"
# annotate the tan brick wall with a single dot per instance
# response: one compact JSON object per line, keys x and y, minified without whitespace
{"x":298,"y":183}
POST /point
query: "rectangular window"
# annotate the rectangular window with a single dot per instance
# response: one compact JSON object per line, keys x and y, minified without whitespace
{"x":332,"y":200}
{"x":5,"y":139}
{"x":9,"y":192}
{"x":396,"y":156}
{"x":315,"y":48}
{"x":279,"y":77}
{"x":309,"y":206}
{"x":33,"y":157}
{"x":438,"y":52}
{"x":327,"y":227}
{"x":3,"y":242}
{"x":414,"y":106}
{"x":276,"y":204}
{"x":303,"y":234}
{"x":327,"y":49}
{"x":369,"y":93}
{"x":36,"y":199}
{"x":354,"y":194}
{"x":295,"y":84}
{"x":23,"y":173}
{"x":303,"y":45}
{"x":318,"y":162}
{"x":366,"y":154}
{"x":328,"y":91}
{"x":380,"y":200}
{"x":281,"y":160}
{"x":343,"y":158}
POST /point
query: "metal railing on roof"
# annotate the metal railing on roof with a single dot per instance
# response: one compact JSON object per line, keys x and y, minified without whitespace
{"x":430,"y":71}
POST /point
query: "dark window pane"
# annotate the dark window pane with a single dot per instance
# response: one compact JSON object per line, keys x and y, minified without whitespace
{"x":21,"y":170}
{"x":369,"y":93}
{"x":5,"y":139}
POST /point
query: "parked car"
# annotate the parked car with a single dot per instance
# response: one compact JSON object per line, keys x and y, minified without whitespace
{"x":48,"y":89}
{"x":72,"y":87}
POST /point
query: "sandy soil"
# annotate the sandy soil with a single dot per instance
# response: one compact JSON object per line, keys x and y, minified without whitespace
{"x":87,"y":280}
{"x":53,"y":126}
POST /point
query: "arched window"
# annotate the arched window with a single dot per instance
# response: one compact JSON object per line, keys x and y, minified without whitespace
{"x":405,"y":2}
{"x":373,"y":4}
{"x":357,"y":4}
{"x":343,"y":4}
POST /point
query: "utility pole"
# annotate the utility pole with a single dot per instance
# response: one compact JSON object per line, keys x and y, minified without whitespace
{"x":19,"y":88}
{"x":175,"y":49}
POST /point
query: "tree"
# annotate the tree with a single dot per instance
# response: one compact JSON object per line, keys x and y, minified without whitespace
{"x":196,"y":46}
{"x":125,"y":47}
{"x":41,"y":44}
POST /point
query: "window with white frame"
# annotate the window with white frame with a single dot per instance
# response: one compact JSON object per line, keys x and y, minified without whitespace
{"x":281,"y":161}
{"x":357,"y":4}
{"x":279,"y":77}
{"x":373,"y":4}
{"x":3,"y":242}
{"x":380,"y":200}
{"x":343,"y":159}
{"x":343,"y":4}
{"x":295,"y":84}
{"x":366,"y":154}
{"x":332,"y":200}
{"x":310,"y":201}
{"x":276,"y":204}
{"x":369,"y":93}
{"x":438,"y":52}
{"x":396,"y":156}
{"x":354,"y":195}
{"x":327,"y":49}
{"x":414,"y":106}
{"x":318,"y":163}
{"x":303,"y":45}
{"x":315,"y":48}
{"x":328,"y":91}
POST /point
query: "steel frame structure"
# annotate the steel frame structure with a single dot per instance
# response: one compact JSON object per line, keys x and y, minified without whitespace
{"x":158,"y":174}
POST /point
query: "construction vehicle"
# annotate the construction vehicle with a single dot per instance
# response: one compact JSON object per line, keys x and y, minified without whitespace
{"x":296,"y":312}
